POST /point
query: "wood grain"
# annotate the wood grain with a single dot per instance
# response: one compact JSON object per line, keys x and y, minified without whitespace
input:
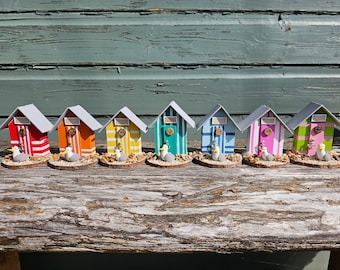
{"x":147,"y":209}
{"x":104,"y":90}
{"x":129,"y":38}
{"x":176,"y":5}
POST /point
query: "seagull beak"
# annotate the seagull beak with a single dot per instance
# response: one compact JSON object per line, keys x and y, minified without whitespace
{"x":162,"y":148}
{"x":65,"y":152}
{"x":215,"y":150}
{"x":10,"y":149}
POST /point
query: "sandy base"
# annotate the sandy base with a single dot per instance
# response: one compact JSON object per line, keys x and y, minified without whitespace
{"x":133,"y":160}
{"x":232,"y":160}
{"x":180,"y":161}
{"x":256,"y":161}
{"x":308,"y":161}
{"x":8,"y":162}
{"x":58,"y":162}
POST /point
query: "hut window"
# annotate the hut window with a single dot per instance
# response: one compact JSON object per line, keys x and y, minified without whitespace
{"x":71,"y":121}
{"x":21,"y":121}
{"x":219,"y":120}
{"x":122,"y":122}
{"x":268,"y":121}
{"x":319,"y":118}
{"x":170,"y":119}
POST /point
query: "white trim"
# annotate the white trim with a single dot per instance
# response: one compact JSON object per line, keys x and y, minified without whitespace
{"x":21,"y":120}
{"x":71,"y":121}
{"x":39,"y":142}
{"x":123,"y":122}
{"x":319,"y":118}
{"x":41,"y":148}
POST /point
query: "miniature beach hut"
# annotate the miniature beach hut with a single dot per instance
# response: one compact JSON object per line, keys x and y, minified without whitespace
{"x":170,"y":127}
{"x":76,"y":129}
{"x":313,"y":125}
{"x":219,"y":127}
{"x":28,"y":129}
{"x":124,"y":130}
{"x":265,"y":128}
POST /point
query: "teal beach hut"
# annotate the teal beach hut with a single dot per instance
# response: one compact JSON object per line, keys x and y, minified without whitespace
{"x":170,"y":127}
{"x":219,"y":127}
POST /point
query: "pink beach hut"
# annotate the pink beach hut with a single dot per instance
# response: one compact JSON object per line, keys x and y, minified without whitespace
{"x":265,"y":128}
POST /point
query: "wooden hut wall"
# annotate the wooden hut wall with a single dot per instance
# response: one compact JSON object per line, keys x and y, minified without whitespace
{"x":143,"y":54}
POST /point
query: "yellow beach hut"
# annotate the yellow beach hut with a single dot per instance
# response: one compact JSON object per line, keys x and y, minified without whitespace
{"x":123,"y":130}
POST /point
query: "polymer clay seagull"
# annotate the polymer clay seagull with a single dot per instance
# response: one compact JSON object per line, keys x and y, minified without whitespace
{"x":265,"y":155}
{"x":18,"y":156}
{"x":165,"y":155}
{"x":70,"y":156}
{"x":321,"y":153}
{"x":119,"y":155}
{"x":216,"y":153}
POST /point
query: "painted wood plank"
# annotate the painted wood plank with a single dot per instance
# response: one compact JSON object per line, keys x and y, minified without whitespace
{"x":147,"y":209}
{"x":146,"y":91}
{"x":263,"y":5}
{"x":128,"y":38}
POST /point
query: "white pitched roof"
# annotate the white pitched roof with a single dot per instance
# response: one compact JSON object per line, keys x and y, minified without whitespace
{"x":212,"y":112}
{"x":255,"y":115}
{"x":131,"y":116}
{"x":82,"y":114}
{"x":32,"y":113}
{"x":180,"y":111}
{"x":306,"y":112}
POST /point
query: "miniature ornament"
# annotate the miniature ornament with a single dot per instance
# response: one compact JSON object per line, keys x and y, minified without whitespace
{"x":76,"y":139}
{"x":216,"y":154}
{"x":170,"y":129}
{"x":70,"y":156}
{"x":28,"y":130}
{"x":265,"y":139}
{"x":124,"y":140}
{"x":314,"y":128}
{"x":265,"y":155}
{"x":119,"y":155}
{"x":217,"y":140}
{"x":165,"y":155}
{"x":18,"y":156}
{"x":321,"y":153}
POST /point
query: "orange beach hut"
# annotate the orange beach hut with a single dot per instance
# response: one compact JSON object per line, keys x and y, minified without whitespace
{"x":76,"y":129}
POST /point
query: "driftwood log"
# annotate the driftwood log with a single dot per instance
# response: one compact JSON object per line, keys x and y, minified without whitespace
{"x":147,"y":209}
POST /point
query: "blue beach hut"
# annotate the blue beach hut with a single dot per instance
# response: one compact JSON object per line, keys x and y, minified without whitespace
{"x":219,"y":127}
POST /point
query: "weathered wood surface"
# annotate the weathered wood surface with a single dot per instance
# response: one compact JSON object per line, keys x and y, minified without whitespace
{"x":146,"y":91}
{"x":129,"y":38}
{"x":147,"y":209}
{"x":316,"y":6}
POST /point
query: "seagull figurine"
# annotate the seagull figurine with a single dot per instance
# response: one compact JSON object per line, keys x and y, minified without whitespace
{"x":321,"y":153}
{"x":265,"y":155}
{"x":119,"y":155}
{"x":216,"y":153}
{"x":18,"y":156}
{"x":70,"y":156}
{"x":165,"y":155}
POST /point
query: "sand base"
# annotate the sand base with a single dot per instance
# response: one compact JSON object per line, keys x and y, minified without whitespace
{"x":8,"y":162}
{"x":256,"y":161}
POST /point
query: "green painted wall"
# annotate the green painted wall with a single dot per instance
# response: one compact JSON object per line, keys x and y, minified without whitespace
{"x":143,"y":54}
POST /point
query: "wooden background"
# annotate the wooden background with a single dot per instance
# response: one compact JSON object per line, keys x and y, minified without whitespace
{"x":107,"y":54}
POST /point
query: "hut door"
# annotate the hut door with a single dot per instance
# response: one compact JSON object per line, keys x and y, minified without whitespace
{"x":24,"y":142}
{"x":218,"y":131}
{"x":317,"y":132}
{"x":266,"y":138}
{"x":122,"y":134}
{"x":72,"y":133}
{"x":169,"y":132}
